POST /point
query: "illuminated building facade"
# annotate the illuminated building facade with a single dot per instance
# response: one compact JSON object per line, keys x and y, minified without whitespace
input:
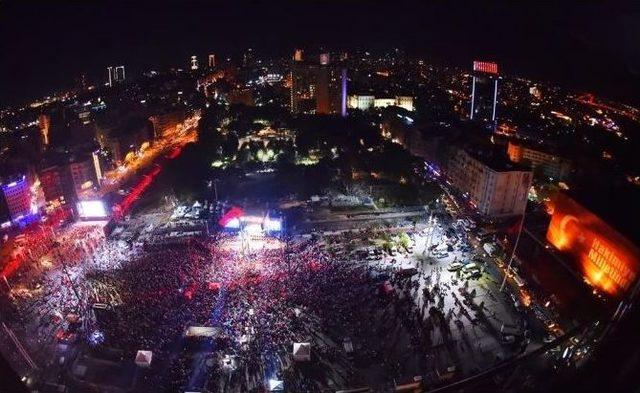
{"x":44,"y":122}
{"x":553,"y":166}
{"x":17,"y":197}
{"x":67,"y":180}
{"x":484,"y":91}
{"x":607,"y":260}
{"x":493,"y":185}
{"x":115,"y":75}
{"x":367,"y":102}
{"x":56,"y":185}
{"x":83,"y":174}
{"x":361,"y":102}
{"x":166,"y":121}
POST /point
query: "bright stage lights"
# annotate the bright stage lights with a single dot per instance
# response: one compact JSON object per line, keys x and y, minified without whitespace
{"x":272,"y":225}
{"x":253,"y":229}
{"x":233,"y":223}
{"x":92,"y":209}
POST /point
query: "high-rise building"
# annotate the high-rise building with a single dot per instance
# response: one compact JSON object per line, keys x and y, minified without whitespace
{"x":110,"y":76}
{"x":66,"y":179}
{"x":318,"y":87}
{"x":115,"y":74}
{"x":212,"y":61}
{"x":57,"y":185}
{"x":484,"y":91}
{"x":552,"y":165}
{"x":120,"y":75}
{"x":194,"y":62}
{"x":297,"y":55}
{"x":303,"y":87}
{"x":17,"y":196}
{"x":44,"y":122}
{"x":492,"y":184}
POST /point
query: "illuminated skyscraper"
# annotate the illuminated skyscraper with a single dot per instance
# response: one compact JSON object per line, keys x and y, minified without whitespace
{"x":120,"y":75}
{"x":318,"y":87}
{"x":194,"y":62}
{"x":44,"y":122}
{"x":110,"y":76}
{"x":297,"y":56}
{"x":115,"y":74}
{"x":484,"y":91}
{"x":17,"y":196}
{"x":212,"y":61}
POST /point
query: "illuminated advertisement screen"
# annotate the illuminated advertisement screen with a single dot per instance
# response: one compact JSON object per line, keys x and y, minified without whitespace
{"x":92,"y":209}
{"x":485,"y":66}
{"x":609,"y":262}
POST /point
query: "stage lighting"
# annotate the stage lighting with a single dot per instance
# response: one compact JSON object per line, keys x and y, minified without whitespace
{"x":92,"y":209}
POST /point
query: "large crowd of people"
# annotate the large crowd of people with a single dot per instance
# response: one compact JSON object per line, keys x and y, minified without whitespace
{"x":260,"y":301}
{"x":255,"y":297}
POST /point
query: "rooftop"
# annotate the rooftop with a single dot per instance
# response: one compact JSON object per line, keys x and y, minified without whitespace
{"x":495,"y":159}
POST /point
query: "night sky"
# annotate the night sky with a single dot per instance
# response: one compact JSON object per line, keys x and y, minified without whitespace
{"x":593,"y":47}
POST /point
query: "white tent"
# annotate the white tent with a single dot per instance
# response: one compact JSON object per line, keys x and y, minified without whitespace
{"x":276,"y":385}
{"x":143,"y":358}
{"x":302,"y":352}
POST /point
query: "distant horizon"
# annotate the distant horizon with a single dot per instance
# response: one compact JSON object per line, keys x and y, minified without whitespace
{"x":579,"y":47}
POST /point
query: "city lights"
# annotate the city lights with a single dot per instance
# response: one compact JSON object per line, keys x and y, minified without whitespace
{"x":371,"y":210}
{"x":92,"y":209}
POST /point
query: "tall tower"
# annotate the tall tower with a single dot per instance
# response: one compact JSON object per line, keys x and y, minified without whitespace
{"x":318,"y":87}
{"x":484,"y":91}
{"x":115,"y":74}
{"x":44,"y":121}
{"x":119,"y":73}
{"x":331,"y":97}
{"x":212,"y":61}
{"x":194,"y":62}
{"x":343,"y":93}
{"x":110,"y":76}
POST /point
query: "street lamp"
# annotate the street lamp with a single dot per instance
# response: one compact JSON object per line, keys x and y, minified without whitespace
{"x":513,"y":253}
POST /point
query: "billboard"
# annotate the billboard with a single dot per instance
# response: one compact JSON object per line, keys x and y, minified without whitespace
{"x":95,"y":209}
{"x":485,"y":66}
{"x":608,"y":261}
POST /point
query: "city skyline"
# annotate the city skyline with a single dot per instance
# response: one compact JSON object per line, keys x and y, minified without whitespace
{"x":319,"y":197}
{"x":581,"y":47}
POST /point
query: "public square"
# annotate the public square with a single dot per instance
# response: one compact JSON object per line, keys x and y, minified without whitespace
{"x":306,"y":197}
{"x":221,"y":309}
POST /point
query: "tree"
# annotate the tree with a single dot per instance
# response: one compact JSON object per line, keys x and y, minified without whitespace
{"x":404,"y":241}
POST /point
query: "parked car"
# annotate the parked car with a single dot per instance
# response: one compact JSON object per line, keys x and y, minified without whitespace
{"x":454,"y":266}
